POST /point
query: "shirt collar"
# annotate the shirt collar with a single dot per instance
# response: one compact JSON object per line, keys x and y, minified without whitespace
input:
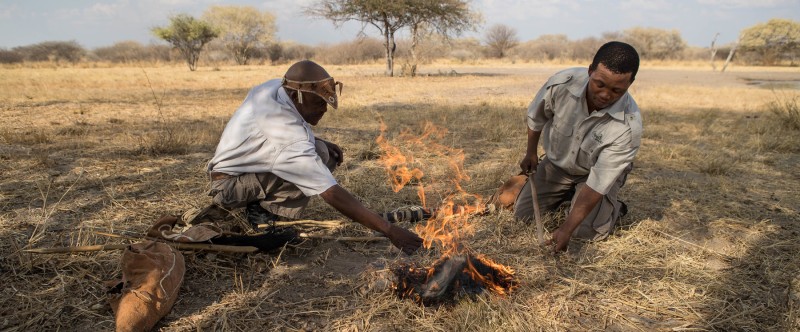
{"x":283,"y":99}
{"x":616,"y":110}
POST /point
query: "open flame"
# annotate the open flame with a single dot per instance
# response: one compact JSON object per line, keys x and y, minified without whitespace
{"x":457,"y":269}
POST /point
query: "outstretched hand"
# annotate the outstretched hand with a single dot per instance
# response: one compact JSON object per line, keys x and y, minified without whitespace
{"x":404,"y":239}
{"x":559,"y":240}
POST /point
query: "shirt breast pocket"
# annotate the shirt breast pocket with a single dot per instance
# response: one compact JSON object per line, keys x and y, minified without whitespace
{"x":562,"y":127}
{"x":590,"y":148}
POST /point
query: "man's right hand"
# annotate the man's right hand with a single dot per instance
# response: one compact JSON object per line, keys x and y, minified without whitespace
{"x":404,"y":239}
{"x":529,"y":164}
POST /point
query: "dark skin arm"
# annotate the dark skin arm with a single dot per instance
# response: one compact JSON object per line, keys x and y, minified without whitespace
{"x":586,"y":201}
{"x":349,"y":206}
{"x":531,"y":159}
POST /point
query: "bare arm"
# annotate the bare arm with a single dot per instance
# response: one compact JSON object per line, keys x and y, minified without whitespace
{"x":349,"y":206}
{"x":531,"y":159}
{"x":584,"y":204}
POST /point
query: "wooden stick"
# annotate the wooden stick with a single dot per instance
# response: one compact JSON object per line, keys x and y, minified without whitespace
{"x":320,"y":223}
{"x":536,"y":214}
{"x":59,"y":250}
{"x":344,"y":238}
{"x":121,"y":236}
{"x":176,"y":245}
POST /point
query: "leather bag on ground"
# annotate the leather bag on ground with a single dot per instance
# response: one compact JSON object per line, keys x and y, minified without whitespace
{"x":506,"y":195}
{"x":152,"y":274}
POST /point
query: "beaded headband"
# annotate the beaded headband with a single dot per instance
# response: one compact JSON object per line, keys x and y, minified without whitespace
{"x":327,"y":89}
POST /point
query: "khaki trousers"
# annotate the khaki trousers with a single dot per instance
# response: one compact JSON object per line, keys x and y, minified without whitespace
{"x":554,"y":186}
{"x":276,"y":195}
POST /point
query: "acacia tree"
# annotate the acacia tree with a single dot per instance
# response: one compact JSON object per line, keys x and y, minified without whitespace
{"x":386,"y":16}
{"x":772,"y":40}
{"x":188,"y":35}
{"x":500,"y":38}
{"x":445,"y":17}
{"x":243,"y":29}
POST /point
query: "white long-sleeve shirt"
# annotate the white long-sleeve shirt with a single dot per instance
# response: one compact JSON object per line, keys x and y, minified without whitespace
{"x":268,"y":135}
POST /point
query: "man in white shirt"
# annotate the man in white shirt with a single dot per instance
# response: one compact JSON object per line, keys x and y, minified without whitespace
{"x":269,"y":160}
{"x":591,"y":129}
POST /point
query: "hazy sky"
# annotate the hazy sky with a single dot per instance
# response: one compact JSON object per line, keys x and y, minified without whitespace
{"x":94,"y":23}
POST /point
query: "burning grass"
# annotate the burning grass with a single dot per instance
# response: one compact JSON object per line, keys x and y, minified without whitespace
{"x":706,"y":246}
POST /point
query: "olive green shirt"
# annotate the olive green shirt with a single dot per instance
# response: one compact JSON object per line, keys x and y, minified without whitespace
{"x":600,"y":145}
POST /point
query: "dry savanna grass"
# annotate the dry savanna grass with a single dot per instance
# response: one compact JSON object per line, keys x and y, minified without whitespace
{"x":711,"y":241}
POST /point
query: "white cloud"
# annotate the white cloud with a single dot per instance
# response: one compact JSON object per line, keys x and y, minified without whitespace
{"x":106,"y":9}
{"x":8,"y":11}
{"x":648,"y":5}
{"x":749,"y":3}
{"x":522,"y":10}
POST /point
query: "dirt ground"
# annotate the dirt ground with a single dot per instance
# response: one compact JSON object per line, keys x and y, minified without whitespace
{"x":710,"y":243}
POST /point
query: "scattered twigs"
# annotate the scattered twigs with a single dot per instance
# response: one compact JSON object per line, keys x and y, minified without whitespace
{"x":710,"y":251}
{"x":121,"y":236}
{"x":48,"y":210}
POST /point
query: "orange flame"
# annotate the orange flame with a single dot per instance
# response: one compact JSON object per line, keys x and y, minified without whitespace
{"x":450,"y":223}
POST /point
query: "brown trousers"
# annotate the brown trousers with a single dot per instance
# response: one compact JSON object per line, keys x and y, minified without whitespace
{"x":276,"y":195}
{"x":554,"y":186}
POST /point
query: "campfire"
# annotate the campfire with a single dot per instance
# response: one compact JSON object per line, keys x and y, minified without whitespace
{"x":459,"y":271}
{"x":451,"y":278}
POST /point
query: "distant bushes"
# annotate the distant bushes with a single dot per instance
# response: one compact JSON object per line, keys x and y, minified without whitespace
{"x":131,"y":51}
{"x":72,"y":52}
{"x":556,"y":47}
{"x":51,"y":51}
{"x":7,"y":56}
{"x":652,"y":44}
{"x":353,"y":52}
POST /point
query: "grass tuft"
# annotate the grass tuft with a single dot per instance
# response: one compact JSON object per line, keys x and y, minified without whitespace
{"x":26,"y":137}
{"x":787,"y":110}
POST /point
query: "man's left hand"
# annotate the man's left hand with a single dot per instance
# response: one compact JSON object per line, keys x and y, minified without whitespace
{"x":559,"y":240}
{"x":335,"y":151}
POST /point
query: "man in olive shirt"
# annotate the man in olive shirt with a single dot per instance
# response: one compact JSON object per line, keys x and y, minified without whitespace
{"x":591,"y":129}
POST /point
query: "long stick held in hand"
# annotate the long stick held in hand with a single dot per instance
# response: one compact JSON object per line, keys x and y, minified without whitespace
{"x":536,"y":215}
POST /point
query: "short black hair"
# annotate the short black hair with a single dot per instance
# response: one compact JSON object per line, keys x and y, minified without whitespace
{"x":618,"y":57}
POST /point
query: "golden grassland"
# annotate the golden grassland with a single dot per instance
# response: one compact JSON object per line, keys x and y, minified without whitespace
{"x":710,"y":242}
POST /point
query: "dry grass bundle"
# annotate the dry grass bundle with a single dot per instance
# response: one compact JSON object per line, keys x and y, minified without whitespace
{"x":709,"y":244}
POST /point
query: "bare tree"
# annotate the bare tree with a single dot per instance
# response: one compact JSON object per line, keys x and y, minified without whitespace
{"x":714,"y":52}
{"x":501,"y":38}
{"x":243,"y":29}
{"x":387,"y":16}
{"x":445,"y":17}
{"x":730,"y":56}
